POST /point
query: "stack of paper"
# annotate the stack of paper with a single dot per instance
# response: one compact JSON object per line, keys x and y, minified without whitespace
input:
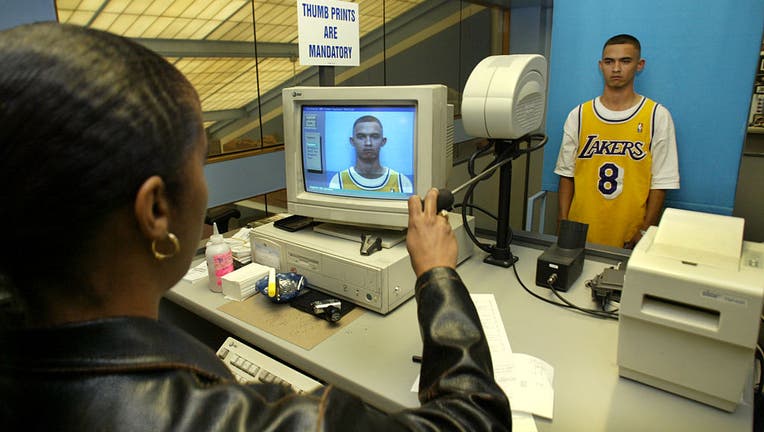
{"x":197,"y":274}
{"x":240,"y":246}
{"x":241,"y":284}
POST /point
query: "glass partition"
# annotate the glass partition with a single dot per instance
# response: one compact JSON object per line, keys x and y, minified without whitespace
{"x":240,"y":53}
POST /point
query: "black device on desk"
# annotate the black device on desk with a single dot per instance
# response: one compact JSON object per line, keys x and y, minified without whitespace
{"x":607,"y":286}
{"x":561,"y":264}
{"x":293,"y":223}
{"x":322,"y":305}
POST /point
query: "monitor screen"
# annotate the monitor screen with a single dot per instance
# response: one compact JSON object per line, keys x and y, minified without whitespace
{"x":359,"y":150}
{"x":354,"y":155}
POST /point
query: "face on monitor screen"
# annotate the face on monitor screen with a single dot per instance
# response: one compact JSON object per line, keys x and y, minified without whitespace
{"x":359,"y":151}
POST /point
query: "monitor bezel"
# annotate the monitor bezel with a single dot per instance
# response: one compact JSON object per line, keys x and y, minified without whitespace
{"x":378,"y":110}
{"x":430,"y":167}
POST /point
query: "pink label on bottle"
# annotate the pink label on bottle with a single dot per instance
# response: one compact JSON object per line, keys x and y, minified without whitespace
{"x":223,"y":265}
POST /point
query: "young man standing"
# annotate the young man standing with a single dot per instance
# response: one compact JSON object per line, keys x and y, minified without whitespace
{"x":618,"y":154}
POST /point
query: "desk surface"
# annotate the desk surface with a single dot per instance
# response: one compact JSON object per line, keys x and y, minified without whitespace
{"x":372,"y":356}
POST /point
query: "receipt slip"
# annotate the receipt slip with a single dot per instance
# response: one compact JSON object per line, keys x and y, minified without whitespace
{"x":240,"y":284}
{"x":197,"y":274}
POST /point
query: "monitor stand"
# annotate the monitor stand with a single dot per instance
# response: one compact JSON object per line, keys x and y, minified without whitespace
{"x":390,"y":237}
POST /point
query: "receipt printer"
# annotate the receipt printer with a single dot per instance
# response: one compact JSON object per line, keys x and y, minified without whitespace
{"x":691,"y":306}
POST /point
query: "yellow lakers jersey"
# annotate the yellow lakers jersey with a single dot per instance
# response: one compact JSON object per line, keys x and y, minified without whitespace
{"x":390,"y":182}
{"x":613,"y":173}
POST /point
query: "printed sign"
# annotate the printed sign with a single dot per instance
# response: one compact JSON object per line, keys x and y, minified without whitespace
{"x":328,"y":33}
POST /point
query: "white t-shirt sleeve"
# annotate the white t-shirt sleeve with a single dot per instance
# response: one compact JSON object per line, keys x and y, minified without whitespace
{"x":566,"y":159}
{"x":334,"y":183}
{"x":406,"y":185}
{"x":665,"y":169}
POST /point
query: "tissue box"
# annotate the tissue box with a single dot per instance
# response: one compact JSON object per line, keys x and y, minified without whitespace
{"x":240,"y":283}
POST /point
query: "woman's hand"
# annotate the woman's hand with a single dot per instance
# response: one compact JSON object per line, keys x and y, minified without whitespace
{"x":430,"y":241}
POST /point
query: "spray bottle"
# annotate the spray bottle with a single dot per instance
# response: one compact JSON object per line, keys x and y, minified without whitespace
{"x":219,"y":259}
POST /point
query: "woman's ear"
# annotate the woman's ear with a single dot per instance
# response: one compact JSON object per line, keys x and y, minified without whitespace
{"x":152,"y":208}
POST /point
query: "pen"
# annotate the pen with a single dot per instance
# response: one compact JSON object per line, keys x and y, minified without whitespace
{"x":416,"y":359}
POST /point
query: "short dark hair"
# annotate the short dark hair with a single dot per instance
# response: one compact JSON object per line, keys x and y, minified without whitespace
{"x":367,"y":119}
{"x":623,"y":39}
{"x":85,"y":118}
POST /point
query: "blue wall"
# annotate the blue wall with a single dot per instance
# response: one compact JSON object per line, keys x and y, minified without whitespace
{"x":700,"y":64}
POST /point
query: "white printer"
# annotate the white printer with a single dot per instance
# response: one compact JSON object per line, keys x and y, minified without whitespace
{"x":691,"y":306}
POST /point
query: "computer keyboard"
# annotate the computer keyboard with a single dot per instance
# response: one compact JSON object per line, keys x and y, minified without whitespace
{"x":251,"y":366}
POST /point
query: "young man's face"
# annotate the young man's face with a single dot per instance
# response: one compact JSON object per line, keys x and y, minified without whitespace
{"x":367,"y":139}
{"x":619,"y":64}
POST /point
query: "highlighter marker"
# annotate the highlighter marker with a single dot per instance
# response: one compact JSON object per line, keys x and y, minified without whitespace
{"x":272,"y":283}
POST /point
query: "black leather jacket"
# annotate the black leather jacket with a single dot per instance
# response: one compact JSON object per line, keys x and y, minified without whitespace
{"x":143,"y":375}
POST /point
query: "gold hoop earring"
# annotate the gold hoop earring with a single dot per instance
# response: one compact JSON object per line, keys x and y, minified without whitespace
{"x":159,"y":255}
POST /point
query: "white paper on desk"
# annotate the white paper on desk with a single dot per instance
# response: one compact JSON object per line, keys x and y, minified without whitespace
{"x":493,"y":327}
{"x":527,"y":380}
{"x":242,"y":235}
{"x":523,"y":422}
{"x":197,"y":273}
{"x":240,"y":245}
{"x":415,"y":386}
{"x":495,"y":334}
{"x":529,"y":385}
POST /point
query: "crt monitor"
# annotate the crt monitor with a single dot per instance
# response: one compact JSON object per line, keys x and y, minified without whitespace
{"x":355,"y":154}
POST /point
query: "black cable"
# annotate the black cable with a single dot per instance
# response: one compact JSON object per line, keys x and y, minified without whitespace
{"x":384,"y":46}
{"x":480,"y":209}
{"x":471,"y":163}
{"x":604,"y":296}
{"x":257,"y":78}
{"x":593,"y":312}
{"x":468,"y":195}
{"x":541,"y":143}
{"x":498,"y":160}
{"x":509,"y":153}
{"x":517,"y":276}
{"x":483,"y":246}
{"x":471,"y":166}
{"x":566,"y":304}
{"x":760,"y":359}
